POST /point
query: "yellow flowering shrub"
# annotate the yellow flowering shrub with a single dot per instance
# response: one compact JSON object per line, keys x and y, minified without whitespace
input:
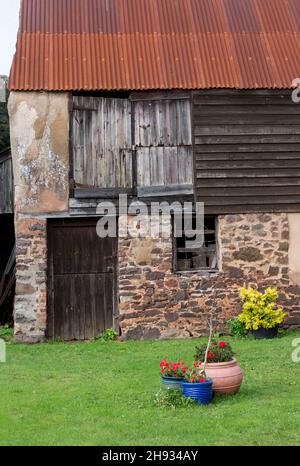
{"x":259,"y":309}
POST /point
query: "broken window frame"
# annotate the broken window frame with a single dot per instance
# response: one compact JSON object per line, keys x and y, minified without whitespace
{"x":204,"y":259}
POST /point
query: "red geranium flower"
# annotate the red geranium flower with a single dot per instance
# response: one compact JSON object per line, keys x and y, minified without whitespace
{"x":210,"y":355}
{"x":175,"y":366}
{"x":201,"y":380}
{"x":213,"y":343}
{"x":222,"y":344}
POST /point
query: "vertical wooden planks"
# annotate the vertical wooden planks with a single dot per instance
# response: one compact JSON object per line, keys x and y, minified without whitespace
{"x":102,"y":142}
{"x":163,"y":137}
{"x":82,"y":269}
{"x":6,"y":183}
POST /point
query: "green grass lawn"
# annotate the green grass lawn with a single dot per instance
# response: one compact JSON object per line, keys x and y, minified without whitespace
{"x":102,"y":394}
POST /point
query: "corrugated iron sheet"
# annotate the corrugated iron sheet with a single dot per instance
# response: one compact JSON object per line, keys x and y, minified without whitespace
{"x":156,"y":44}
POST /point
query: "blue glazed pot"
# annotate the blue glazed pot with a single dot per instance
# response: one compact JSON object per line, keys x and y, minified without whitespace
{"x":265,"y":333}
{"x":200,"y":392}
{"x":173,"y":383}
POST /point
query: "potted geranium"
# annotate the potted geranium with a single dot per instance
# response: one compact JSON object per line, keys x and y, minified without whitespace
{"x":197,"y":385}
{"x":222,"y":367}
{"x":260,"y":315}
{"x":172,"y":373}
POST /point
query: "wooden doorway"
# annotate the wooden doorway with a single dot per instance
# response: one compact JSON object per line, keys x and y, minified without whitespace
{"x":7,"y":269}
{"x":82,"y":280}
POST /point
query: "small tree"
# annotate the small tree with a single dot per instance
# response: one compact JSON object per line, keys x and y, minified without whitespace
{"x":210,"y":324}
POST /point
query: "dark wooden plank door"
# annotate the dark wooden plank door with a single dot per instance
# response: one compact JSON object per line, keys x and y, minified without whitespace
{"x":81,"y":286}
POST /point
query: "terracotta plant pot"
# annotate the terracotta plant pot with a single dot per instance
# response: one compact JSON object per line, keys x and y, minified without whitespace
{"x":227,"y":377}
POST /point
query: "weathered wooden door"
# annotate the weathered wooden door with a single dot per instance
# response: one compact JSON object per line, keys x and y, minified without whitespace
{"x":102,"y":144}
{"x":163,"y":141}
{"x":81,"y":286}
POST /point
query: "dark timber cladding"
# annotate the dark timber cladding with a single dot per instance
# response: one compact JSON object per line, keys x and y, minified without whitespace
{"x":81,"y":288}
{"x":246,"y":151}
{"x":6,"y":183}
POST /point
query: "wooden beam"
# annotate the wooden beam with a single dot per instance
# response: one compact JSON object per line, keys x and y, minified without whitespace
{"x":159,"y":95}
{"x":161,"y":191}
{"x":100,"y":193}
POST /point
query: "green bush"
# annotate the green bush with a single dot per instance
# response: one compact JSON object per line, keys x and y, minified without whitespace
{"x":236,"y":328}
{"x":259,"y":309}
{"x":107,"y":335}
{"x":170,"y":398}
{"x":6,"y":333}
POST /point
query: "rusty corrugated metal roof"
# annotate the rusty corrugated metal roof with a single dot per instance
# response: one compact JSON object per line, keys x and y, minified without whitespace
{"x":156,"y":44}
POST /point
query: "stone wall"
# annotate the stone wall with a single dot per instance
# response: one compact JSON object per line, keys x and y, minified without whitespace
{"x":157,"y":303}
{"x":39,"y":123}
{"x":31,"y":280}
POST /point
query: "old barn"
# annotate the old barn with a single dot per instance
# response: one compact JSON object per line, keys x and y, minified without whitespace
{"x":161,"y":100}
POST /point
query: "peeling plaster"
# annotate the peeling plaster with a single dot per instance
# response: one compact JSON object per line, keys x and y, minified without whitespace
{"x":39,"y":133}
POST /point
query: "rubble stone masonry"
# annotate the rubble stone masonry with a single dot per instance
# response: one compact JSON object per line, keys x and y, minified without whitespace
{"x":31,"y":280}
{"x":155,"y":302}
{"x":39,"y":124}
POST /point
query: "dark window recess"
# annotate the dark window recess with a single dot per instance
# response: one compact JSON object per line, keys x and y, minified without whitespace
{"x":203,"y":258}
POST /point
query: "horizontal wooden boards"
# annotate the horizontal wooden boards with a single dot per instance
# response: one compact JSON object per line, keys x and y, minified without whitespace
{"x":242,"y":208}
{"x":247,"y":182}
{"x":139,"y":96}
{"x":104,"y":193}
{"x":241,"y":165}
{"x":160,"y":191}
{"x":247,"y":150}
